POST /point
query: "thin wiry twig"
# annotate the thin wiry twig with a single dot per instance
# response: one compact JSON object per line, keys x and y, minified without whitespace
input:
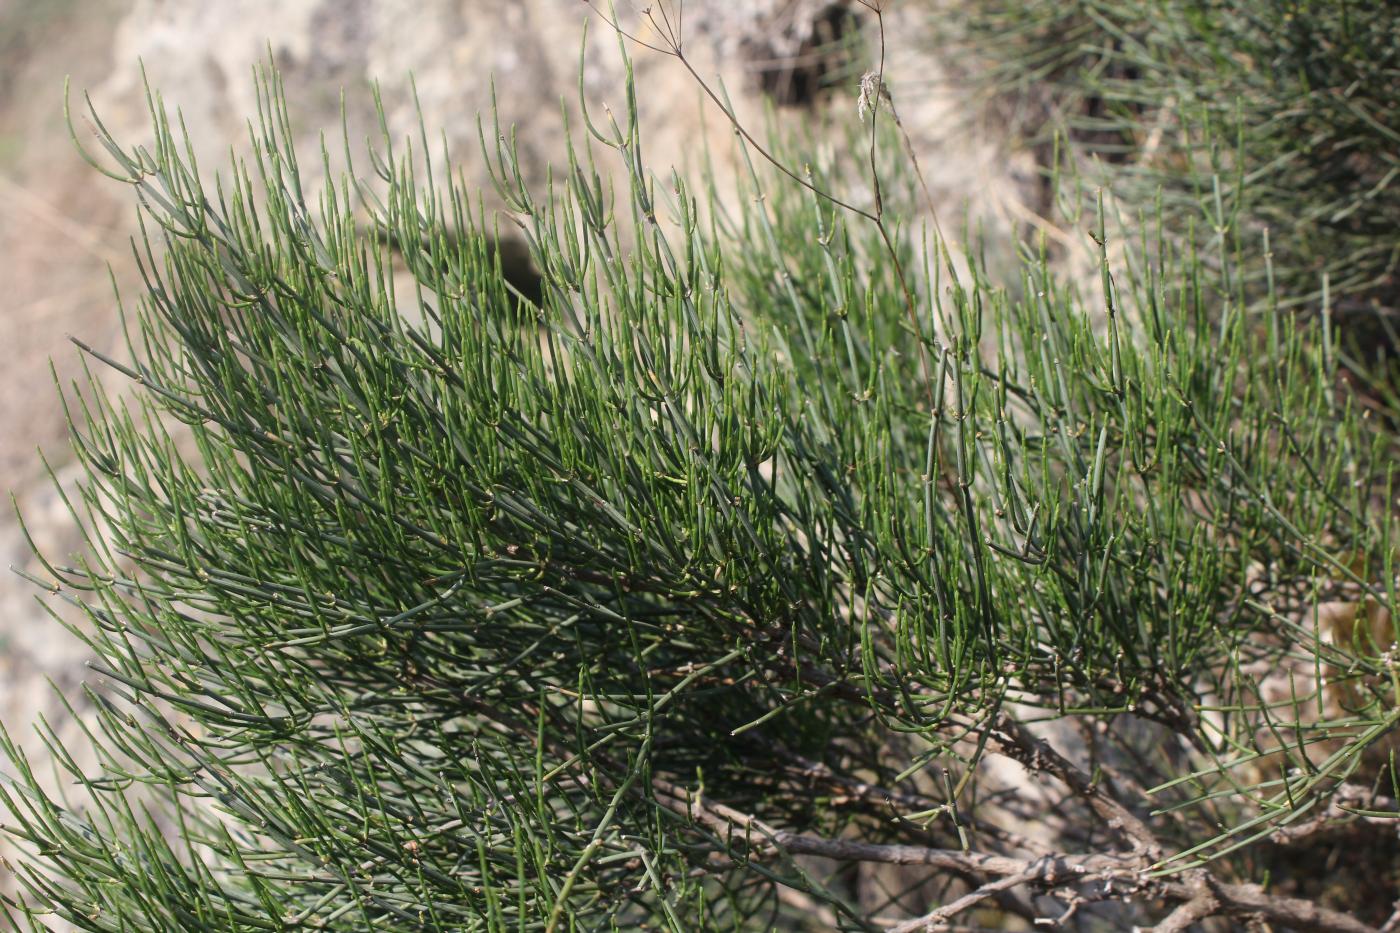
{"x":674,"y":47}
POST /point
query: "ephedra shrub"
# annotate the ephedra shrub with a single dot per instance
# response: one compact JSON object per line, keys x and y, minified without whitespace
{"x":762,"y":551}
{"x":1285,"y":113}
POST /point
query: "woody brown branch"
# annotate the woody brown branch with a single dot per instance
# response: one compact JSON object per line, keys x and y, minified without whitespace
{"x":1103,"y":875}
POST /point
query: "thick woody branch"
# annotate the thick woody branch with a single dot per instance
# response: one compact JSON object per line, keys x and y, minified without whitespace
{"x":941,"y":917}
{"x":1193,"y":911}
{"x":1013,"y":740}
{"x":1105,"y":876}
{"x":1249,"y":900}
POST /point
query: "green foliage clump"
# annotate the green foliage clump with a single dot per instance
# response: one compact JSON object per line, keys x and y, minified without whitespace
{"x":422,"y":605}
{"x":1286,"y":112}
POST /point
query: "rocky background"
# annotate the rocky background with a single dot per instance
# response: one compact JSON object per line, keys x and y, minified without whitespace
{"x":62,"y":225}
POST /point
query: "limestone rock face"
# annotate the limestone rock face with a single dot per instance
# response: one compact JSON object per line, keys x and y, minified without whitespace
{"x":454,"y":56}
{"x":459,"y":56}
